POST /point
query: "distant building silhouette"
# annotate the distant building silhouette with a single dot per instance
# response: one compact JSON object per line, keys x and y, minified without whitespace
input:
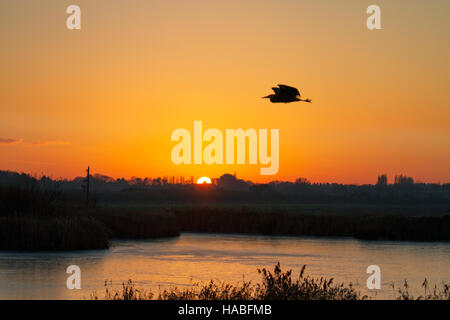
{"x":228,"y":182}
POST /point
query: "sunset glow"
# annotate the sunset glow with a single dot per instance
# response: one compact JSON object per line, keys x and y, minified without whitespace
{"x":256,"y":151}
{"x":112,"y":93}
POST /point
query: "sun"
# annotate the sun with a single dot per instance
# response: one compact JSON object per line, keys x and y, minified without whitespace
{"x":204,"y":180}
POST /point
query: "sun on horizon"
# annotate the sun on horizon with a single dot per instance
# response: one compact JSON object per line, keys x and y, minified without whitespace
{"x":204,"y":180}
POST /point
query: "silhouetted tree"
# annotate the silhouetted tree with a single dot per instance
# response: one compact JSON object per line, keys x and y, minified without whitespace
{"x":303,"y":181}
{"x":382,"y":180}
{"x":404,"y":180}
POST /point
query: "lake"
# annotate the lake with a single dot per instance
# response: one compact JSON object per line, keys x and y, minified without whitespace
{"x":194,"y":257}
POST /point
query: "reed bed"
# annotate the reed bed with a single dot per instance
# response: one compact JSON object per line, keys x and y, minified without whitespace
{"x":55,"y":233}
{"x":38,"y":217}
{"x":280,"y":222}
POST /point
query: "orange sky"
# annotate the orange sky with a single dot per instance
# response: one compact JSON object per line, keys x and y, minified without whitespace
{"x":111,"y":94}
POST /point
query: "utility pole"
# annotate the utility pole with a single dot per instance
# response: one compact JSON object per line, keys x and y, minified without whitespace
{"x":87,"y":188}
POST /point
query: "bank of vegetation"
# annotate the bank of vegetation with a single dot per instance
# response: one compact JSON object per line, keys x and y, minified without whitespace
{"x":281,"y":222}
{"x":41,"y":215}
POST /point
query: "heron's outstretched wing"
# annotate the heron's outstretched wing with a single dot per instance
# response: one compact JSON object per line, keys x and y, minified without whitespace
{"x":276,"y":90}
{"x":288,"y":90}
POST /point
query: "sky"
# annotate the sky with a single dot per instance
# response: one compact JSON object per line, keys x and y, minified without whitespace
{"x":110,"y":95}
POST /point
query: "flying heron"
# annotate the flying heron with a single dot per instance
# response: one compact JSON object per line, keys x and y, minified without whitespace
{"x":285,"y":94}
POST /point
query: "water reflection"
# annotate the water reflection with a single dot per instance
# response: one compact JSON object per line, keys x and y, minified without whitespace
{"x":201,"y":257}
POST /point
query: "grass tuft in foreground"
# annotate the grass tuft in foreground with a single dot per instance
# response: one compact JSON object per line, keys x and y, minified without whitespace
{"x":128,"y":291}
{"x":276,"y":285}
{"x":433,"y":294}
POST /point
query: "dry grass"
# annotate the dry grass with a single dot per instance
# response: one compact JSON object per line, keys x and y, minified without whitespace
{"x":436,"y":293}
{"x":128,"y":291}
{"x":276,"y":285}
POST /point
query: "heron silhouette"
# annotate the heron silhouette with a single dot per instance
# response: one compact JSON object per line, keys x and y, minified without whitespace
{"x":285,"y":94}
